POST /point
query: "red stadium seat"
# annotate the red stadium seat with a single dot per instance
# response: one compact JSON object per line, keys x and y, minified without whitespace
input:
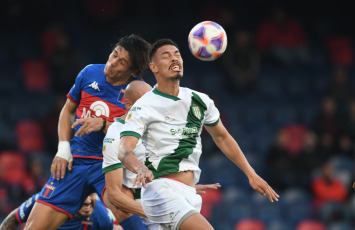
{"x":250,"y":224}
{"x":311,"y":225}
{"x":340,"y":51}
{"x":29,"y":136}
{"x":36,"y":75}
{"x":12,"y":167}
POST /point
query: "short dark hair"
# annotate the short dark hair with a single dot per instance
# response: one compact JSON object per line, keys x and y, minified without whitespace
{"x":159,"y":43}
{"x":138,"y":50}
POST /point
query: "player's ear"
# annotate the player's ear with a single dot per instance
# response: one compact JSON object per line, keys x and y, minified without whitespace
{"x":153,"y":67}
{"x":128,"y":104}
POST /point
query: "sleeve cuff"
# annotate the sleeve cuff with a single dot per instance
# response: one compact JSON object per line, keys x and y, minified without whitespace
{"x":112,"y":167}
{"x":130,"y":133}
{"x":213,"y":124}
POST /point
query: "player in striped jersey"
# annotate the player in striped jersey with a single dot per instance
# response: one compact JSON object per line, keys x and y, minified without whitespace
{"x":170,"y":119}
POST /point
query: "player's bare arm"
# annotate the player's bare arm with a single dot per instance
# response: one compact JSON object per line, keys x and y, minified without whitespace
{"x":10,"y":222}
{"x":230,"y":148}
{"x":91,"y":124}
{"x":64,"y":159}
{"x":201,"y":188}
{"x":118,"y":198}
{"x":131,"y":162}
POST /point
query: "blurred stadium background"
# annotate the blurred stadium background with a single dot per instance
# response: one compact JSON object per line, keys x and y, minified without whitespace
{"x":285,"y":88}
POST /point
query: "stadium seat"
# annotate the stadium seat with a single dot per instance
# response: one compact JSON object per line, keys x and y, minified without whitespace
{"x":12,"y":167}
{"x":311,"y":225}
{"x":29,"y":136}
{"x":36,"y":75}
{"x":250,"y":224}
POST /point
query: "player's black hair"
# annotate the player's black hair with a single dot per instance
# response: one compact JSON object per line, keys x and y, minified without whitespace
{"x":159,"y":43}
{"x":138,"y":50}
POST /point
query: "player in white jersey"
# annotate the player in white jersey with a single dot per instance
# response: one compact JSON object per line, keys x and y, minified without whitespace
{"x":113,"y":168}
{"x":170,"y":119}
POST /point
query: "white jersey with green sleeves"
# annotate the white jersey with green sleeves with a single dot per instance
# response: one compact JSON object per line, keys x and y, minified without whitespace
{"x":110,"y":153}
{"x":171,"y":127}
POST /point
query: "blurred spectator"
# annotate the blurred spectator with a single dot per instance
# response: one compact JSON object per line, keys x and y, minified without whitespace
{"x":282,"y":165}
{"x":310,"y":157}
{"x":209,"y":200}
{"x":64,"y":62}
{"x":340,"y":89}
{"x":282,"y":40}
{"x":241,"y":62}
{"x":328,"y":125}
{"x":329,"y":193}
{"x":250,"y":224}
{"x":340,"y":51}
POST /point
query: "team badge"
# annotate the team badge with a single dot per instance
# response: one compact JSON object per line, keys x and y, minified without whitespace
{"x":86,"y":225}
{"x":104,"y":149}
{"x":48,"y":191}
{"x":129,"y":116}
{"x":120,"y":97}
{"x":28,"y":203}
{"x":196,"y":111}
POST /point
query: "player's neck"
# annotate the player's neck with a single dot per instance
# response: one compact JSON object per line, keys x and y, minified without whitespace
{"x":169,"y":87}
{"x":119,"y":81}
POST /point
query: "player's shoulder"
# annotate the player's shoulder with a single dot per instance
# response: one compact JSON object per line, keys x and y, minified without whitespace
{"x":92,"y":71}
{"x":192,"y":92}
{"x":115,"y":127}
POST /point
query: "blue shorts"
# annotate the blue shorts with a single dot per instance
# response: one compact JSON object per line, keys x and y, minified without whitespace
{"x":69,"y":194}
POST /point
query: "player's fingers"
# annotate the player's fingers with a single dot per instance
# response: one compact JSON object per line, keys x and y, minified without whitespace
{"x":77,"y":122}
{"x":143,"y":181}
{"x":63,"y":167}
{"x":70,"y":165}
{"x":53,"y":169}
{"x":58,"y":170}
{"x":80,"y":130}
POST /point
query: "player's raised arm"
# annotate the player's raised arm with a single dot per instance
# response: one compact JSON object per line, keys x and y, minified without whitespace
{"x":230,"y":148}
{"x":64,"y":157}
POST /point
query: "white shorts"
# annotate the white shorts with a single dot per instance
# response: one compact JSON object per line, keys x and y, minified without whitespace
{"x":169,"y":203}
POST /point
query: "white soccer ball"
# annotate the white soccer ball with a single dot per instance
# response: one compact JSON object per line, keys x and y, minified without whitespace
{"x":207,"y":41}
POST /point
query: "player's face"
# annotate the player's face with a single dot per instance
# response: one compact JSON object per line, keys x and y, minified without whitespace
{"x":89,"y":206}
{"x":168,"y":63}
{"x":118,"y":64}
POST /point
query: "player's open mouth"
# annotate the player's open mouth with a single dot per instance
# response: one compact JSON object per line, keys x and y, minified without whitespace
{"x":87,"y":207}
{"x":175,"y":67}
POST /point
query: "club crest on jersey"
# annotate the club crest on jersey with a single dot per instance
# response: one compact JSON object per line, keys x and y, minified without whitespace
{"x":120,"y":97}
{"x":87,"y":225}
{"x":48,"y":191}
{"x":196,"y":112}
{"x":129,"y":116}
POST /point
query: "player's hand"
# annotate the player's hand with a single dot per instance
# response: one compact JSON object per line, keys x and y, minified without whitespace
{"x":59,"y":166}
{"x":62,"y":160}
{"x":201,"y":188}
{"x":260,"y":185}
{"x":89,"y":125}
{"x":144,"y":175}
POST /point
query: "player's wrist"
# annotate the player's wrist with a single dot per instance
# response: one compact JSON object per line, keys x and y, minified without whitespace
{"x":64,"y":151}
{"x":103,"y":125}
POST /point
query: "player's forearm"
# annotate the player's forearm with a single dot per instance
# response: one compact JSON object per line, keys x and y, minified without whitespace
{"x":10,"y":222}
{"x":125,"y":203}
{"x":232,"y":150}
{"x":66,"y":118}
{"x":126,"y":154}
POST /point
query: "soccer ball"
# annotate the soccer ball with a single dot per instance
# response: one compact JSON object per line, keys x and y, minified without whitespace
{"x":207,"y":41}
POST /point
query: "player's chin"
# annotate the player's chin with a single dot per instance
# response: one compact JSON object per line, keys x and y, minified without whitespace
{"x":86,"y":213}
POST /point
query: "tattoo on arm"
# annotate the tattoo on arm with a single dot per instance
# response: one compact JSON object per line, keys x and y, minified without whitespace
{"x":10,"y":222}
{"x":142,"y":170}
{"x":126,"y":154}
